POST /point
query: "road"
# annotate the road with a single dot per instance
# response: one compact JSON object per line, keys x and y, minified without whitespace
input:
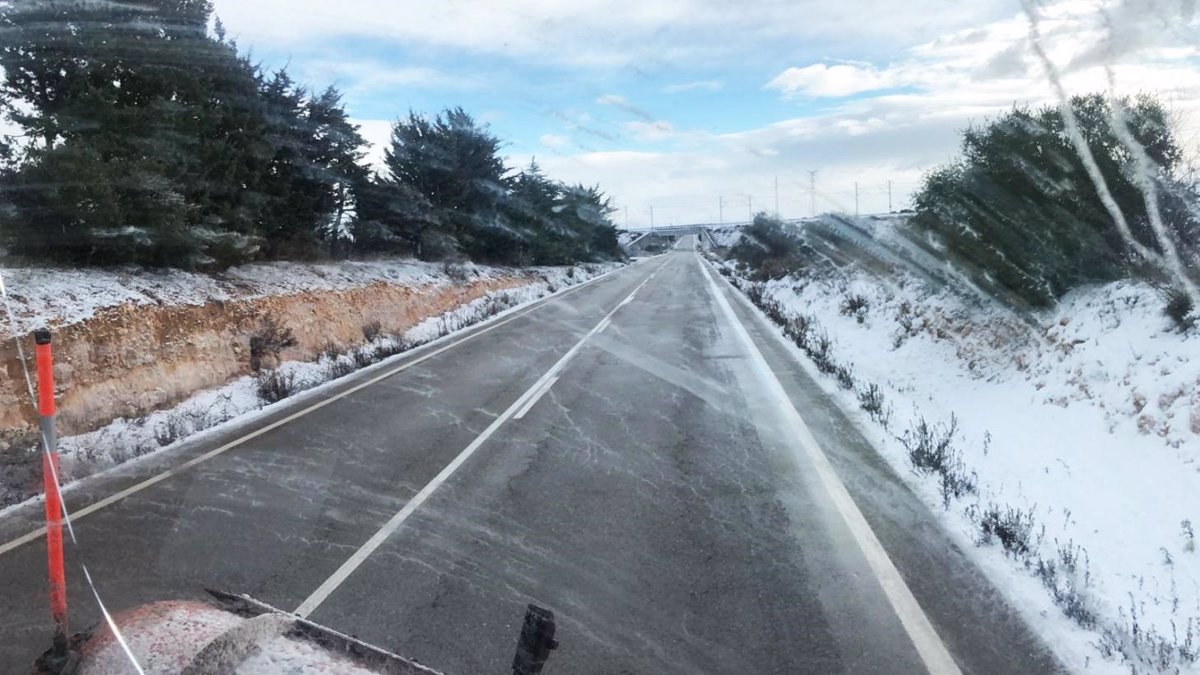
{"x":640,"y":455}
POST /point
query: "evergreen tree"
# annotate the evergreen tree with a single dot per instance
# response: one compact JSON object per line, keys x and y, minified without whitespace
{"x":771,"y":249}
{"x":1020,"y":213}
{"x":335,"y":154}
{"x":530,"y":211}
{"x":111,"y":91}
{"x":585,"y":213}
{"x":166,"y":146}
{"x":455,"y":165}
{"x":156,"y":143}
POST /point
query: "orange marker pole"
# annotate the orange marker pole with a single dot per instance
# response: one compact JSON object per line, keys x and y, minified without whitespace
{"x":54,"y":529}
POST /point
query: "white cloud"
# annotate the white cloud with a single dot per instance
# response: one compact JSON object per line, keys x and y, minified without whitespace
{"x":950,"y":75}
{"x":600,"y":33}
{"x":950,"y":82}
{"x":833,"y":81}
{"x":701,"y":85}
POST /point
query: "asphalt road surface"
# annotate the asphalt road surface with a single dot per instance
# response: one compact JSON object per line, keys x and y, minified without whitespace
{"x":640,"y":454}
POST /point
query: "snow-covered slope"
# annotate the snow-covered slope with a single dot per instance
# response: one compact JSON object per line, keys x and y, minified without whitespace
{"x":1082,"y":427}
{"x":62,"y":296}
{"x":146,"y":359}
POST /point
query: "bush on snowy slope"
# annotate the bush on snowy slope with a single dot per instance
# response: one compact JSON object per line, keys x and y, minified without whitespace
{"x":770,"y":249}
{"x":724,"y":238}
{"x":1021,"y":216}
{"x":1065,"y":442}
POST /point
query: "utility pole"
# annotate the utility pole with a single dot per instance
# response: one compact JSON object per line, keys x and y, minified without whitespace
{"x":626,"y":217}
{"x":855,"y":199}
{"x":812,"y":193}
{"x":889,"y":196}
{"x":652,"y":216}
{"x":750,"y":208}
{"x":721,"y":209}
{"x":776,"y":195}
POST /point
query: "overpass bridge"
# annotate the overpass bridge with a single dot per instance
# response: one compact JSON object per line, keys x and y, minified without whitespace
{"x":680,"y":230}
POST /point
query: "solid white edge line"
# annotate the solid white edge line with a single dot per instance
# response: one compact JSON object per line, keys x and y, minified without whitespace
{"x":469,"y":334}
{"x":920,"y":630}
{"x":313,"y":601}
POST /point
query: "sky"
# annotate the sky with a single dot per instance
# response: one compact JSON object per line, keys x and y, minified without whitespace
{"x":689,"y":111}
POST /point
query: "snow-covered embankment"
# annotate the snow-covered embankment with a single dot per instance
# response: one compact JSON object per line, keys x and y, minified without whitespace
{"x":1072,"y":443}
{"x":145,"y":359}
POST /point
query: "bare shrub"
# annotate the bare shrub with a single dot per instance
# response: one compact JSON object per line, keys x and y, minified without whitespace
{"x":339,"y":367}
{"x":270,"y":339}
{"x":171,"y":429}
{"x":361,"y":358}
{"x":372,"y":330}
{"x":1012,"y":527}
{"x":273,"y":386}
{"x":331,"y":351}
{"x":931,"y":451}
{"x":455,"y":272}
{"x":871,"y":400}
{"x":1180,"y":309}
{"x":856,"y":305}
{"x":392,"y":347}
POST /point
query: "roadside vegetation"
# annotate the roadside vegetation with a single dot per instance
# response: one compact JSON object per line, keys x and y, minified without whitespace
{"x":145,"y":138}
{"x":270,"y":380}
{"x":1019,"y":213}
{"x":934,"y":451}
{"x":1016,"y":223}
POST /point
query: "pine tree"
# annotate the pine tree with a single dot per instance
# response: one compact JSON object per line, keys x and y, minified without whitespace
{"x":585,"y":212}
{"x":455,"y":165}
{"x":166,"y":146}
{"x":112,"y":91}
{"x":335,"y":152}
{"x":1020,"y":214}
{"x":530,"y":213}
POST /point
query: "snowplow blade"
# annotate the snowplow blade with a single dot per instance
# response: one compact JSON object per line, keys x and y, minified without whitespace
{"x":230,"y":634}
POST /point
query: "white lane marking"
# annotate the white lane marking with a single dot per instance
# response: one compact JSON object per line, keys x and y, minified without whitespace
{"x":535,"y":398}
{"x":926,"y":640}
{"x":605,"y":325}
{"x":312,"y":602}
{"x":480,"y":329}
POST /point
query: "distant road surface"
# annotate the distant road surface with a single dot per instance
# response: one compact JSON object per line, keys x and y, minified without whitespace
{"x":641,"y":455}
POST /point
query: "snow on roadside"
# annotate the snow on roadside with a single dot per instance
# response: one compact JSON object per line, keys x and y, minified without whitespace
{"x":627,"y":237}
{"x":63,"y":296}
{"x":1087,"y":422}
{"x":725,"y":237}
{"x":239,"y":401}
